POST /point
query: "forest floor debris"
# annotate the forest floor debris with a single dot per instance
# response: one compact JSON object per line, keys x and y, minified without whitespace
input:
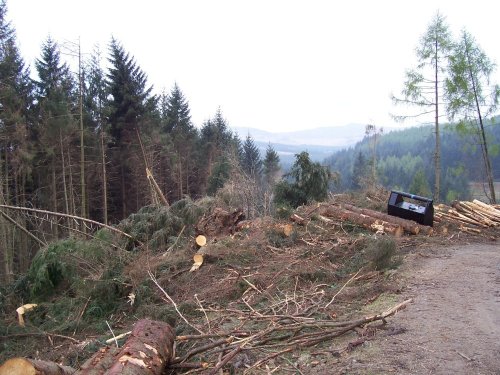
{"x":268,"y":288}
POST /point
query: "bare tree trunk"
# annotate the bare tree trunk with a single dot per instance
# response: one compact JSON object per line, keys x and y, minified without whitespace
{"x":437,"y":155}
{"x":71,"y":190}
{"x":122,"y":184}
{"x":181,"y":180}
{"x":54,"y":195}
{"x":5,"y":251}
{"x":484,"y":145}
{"x":104,"y":180}
{"x":82,"y":145}
{"x":65,"y":189}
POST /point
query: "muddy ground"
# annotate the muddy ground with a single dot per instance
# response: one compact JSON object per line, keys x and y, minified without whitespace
{"x":453,"y":324}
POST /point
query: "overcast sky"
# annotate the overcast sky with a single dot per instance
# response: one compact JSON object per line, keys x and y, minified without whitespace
{"x":269,"y":64}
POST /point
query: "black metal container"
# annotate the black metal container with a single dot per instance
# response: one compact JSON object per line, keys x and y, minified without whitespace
{"x":419,"y":209}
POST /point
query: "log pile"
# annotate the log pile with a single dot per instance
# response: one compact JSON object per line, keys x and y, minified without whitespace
{"x":373,"y":220}
{"x":470,"y":217}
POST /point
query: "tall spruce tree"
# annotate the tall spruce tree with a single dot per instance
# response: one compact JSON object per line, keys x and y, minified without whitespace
{"x":471,"y":96}
{"x":95,"y":97}
{"x":129,"y":104}
{"x":56,"y":130}
{"x":217,"y":145}
{"x":271,"y":166}
{"x":251,"y":161}
{"x":360,"y":170}
{"x":15,"y":150}
{"x":176,"y":123}
{"x":423,"y":86}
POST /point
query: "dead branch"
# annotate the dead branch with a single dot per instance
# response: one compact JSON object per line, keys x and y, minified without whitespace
{"x":155,"y":281}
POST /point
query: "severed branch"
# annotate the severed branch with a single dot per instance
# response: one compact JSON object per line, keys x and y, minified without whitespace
{"x":340,"y":290}
{"x":155,"y":281}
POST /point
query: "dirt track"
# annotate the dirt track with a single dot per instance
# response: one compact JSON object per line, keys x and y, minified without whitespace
{"x":453,"y":325}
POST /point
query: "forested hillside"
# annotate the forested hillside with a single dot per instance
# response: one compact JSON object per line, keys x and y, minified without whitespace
{"x":404,"y":160}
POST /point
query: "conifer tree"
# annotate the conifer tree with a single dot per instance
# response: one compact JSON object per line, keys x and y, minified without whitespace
{"x":217,"y":143}
{"x":423,"y":86}
{"x":176,"y":123}
{"x":95,"y":108}
{"x":15,"y":101}
{"x":56,"y":130}
{"x":359,"y":170}
{"x":129,"y":104}
{"x":271,"y":166}
{"x":471,"y":96}
{"x":15,"y":150}
{"x":251,"y":161}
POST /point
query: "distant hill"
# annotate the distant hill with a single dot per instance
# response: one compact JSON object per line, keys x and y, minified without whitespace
{"x":319,"y":142}
{"x":334,"y":136}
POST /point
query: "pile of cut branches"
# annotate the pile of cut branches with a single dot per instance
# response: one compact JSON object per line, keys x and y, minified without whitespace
{"x":260,"y":332}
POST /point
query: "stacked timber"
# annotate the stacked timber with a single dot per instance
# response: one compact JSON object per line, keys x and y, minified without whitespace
{"x":470,"y":216}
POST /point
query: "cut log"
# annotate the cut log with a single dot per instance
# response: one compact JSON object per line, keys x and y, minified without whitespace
{"x":147,"y":351}
{"x":408,"y":225}
{"x":201,"y":240}
{"x":298,"y":219}
{"x":26,"y":366}
{"x":366,"y":221}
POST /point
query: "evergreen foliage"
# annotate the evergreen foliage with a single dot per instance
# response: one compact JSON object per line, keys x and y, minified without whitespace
{"x":309,"y":182}
{"x":251,"y":161}
{"x":360,"y":170}
{"x":271,"y":166}
{"x":419,"y":184}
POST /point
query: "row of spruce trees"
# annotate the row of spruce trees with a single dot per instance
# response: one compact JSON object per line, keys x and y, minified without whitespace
{"x":79,"y":143}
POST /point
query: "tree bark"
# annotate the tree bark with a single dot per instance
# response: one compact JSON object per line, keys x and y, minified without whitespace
{"x":437,"y":156}
{"x":147,"y":351}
